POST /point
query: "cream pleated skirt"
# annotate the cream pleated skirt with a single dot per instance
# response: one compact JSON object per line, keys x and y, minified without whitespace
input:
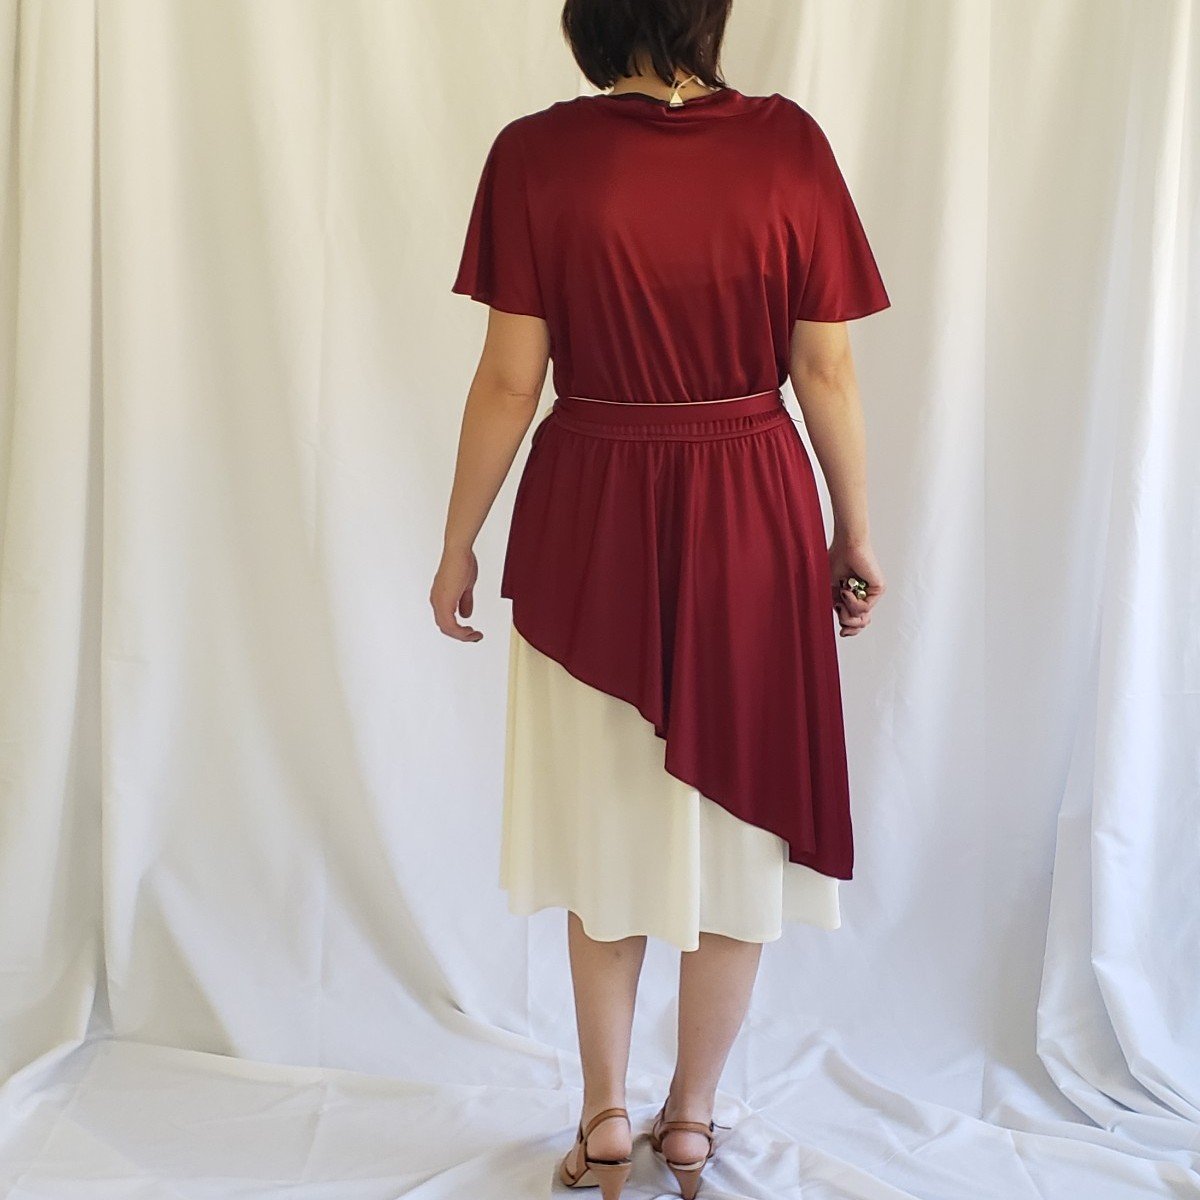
{"x":593,"y":823}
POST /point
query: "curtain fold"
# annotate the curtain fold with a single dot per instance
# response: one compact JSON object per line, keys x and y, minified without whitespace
{"x":51,"y":562}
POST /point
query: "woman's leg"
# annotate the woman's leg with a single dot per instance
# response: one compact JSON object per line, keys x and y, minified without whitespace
{"x":715,"y":984}
{"x":604,"y":976}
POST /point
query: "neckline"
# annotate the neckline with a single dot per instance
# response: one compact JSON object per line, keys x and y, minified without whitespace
{"x":724,"y":99}
{"x":664,"y":100}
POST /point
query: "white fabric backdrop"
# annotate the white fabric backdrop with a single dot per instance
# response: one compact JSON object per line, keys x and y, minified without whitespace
{"x":253,"y":943}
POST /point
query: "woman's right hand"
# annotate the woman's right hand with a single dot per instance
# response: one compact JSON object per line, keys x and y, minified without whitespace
{"x":453,"y":592}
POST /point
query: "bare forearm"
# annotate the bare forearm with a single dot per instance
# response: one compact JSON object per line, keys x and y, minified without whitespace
{"x":494,"y":422}
{"x":834,"y":419}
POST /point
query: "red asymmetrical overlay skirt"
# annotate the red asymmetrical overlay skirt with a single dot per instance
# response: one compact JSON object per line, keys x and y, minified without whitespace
{"x":675,"y":753}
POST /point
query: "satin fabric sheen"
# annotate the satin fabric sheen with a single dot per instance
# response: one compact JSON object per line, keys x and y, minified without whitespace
{"x":670,"y":251}
{"x":676,"y":558}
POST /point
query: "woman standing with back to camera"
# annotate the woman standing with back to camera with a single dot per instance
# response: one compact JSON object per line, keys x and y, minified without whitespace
{"x":675,"y":762}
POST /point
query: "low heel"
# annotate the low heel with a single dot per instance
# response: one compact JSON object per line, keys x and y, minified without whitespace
{"x":687,"y":1174}
{"x":688,"y":1179}
{"x":576,"y":1170}
{"x":611,"y":1177}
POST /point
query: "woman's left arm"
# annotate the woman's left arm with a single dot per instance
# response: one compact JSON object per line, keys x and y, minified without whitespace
{"x":501,"y":403}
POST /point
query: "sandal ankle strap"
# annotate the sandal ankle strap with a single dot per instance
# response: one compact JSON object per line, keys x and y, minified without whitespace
{"x":662,"y":1126}
{"x":602,"y":1115}
{"x":690,"y":1126}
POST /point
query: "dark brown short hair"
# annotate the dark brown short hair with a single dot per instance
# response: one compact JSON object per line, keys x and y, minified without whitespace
{"x":604,"y":36}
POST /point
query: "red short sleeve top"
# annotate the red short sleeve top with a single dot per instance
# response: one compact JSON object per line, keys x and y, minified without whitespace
{"x":669,"y":250}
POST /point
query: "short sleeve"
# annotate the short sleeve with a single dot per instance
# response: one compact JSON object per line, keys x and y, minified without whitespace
{"x":841,"y":278}
{"x":497,"y":265}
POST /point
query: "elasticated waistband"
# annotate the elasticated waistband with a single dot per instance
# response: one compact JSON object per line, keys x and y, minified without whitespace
{"x":684,"y":420}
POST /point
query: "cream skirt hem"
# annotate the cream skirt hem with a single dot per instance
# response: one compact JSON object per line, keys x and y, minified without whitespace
{"x":592,"y":822}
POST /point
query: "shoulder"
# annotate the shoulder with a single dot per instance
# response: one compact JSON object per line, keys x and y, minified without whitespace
{"x":509,"y":138}
{"x":809,"y":148}
{"x":529,"y":125}
{"x":523,"y":137}
{"x":797,"y":120}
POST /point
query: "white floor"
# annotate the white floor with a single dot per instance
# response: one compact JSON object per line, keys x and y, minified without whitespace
{"x":127,"y":1121}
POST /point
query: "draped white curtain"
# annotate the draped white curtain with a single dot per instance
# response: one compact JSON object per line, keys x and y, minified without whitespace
{"x":251,"y":937}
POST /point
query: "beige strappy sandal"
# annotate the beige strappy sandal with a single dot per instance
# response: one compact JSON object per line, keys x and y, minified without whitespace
{"x":687,"y":1174}
{"x":610,"y":1174}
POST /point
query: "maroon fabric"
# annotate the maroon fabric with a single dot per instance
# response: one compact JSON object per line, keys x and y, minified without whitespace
{"x":670,"y":251}
{"x":676,"y":557}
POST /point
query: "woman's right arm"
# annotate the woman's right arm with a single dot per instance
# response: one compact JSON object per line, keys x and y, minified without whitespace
{"x":501,"y":404}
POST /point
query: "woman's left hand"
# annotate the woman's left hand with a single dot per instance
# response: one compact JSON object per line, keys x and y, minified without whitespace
{"x":854,"y":615}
